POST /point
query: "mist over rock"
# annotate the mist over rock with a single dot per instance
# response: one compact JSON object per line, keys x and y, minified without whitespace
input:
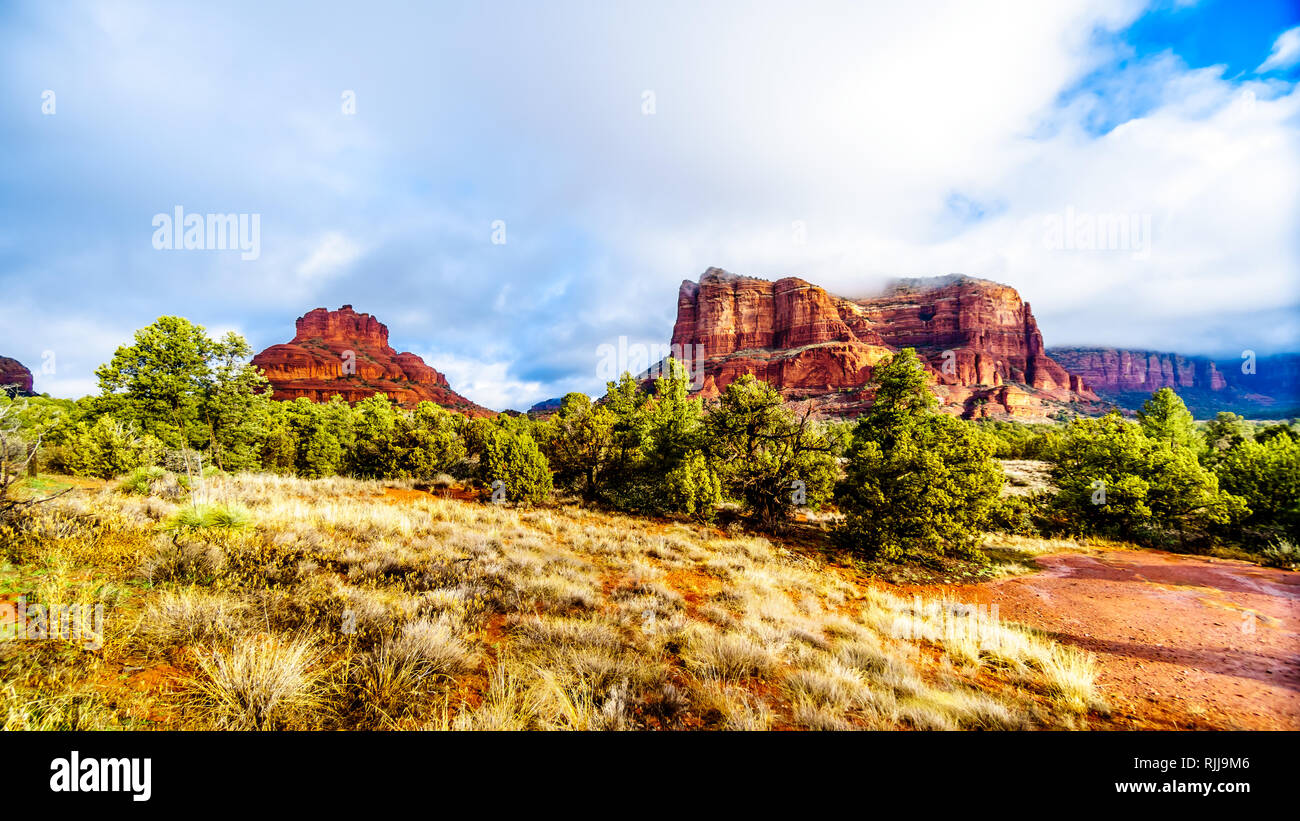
{"x":347,"y":353}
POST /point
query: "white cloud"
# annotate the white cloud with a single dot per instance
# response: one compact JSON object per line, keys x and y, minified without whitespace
{"x":487,"y":383}
{"x":332,"y":253}
{"x":1285,"y":53}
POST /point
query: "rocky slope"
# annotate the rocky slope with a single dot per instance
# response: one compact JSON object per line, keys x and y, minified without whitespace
{"x":980,"y":341}
{"x":1128,"y":378}
{"x":15,"y":379}
{"x":346,"y":353}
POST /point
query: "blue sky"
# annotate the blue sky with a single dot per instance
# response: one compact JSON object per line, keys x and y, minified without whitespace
{"x":843,"y":142}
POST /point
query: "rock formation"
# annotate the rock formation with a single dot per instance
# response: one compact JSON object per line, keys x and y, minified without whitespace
{"x":15,"y":379}
{"x":346,"y":353}
{"x":1265,"y":387}
{"x":1114,"y":371}
{"x":546,"y":408}
{"x":979,"y":340}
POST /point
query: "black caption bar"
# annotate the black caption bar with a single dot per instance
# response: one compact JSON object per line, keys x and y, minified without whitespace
{"x":727,"y":771}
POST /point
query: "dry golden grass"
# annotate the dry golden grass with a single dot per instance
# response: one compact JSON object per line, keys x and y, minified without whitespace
{"x":257,"y":683}
{"x":342,"y":605}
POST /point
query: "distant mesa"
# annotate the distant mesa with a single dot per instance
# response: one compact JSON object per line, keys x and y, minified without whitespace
{"x":15,"y":379}
{"x":978,"y":339}
{"x":346,"y":353}
{"x":546,"y":407}
{"x":1264,"y":387}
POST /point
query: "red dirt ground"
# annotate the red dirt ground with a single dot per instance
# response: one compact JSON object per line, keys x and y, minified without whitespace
{"x":1183,"y":642}
{"x":399,"y":495}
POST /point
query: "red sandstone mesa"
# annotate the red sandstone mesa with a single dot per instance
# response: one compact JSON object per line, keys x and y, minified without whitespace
{"x":346,"y":353}
{"x":14,"y":376}
{"x":978,"y":338}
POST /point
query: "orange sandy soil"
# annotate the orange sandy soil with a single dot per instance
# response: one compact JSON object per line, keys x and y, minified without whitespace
{"x":1184,"y":642}
{"x":397,"y":495}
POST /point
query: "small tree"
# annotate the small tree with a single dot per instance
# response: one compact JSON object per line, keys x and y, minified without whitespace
{"x":916,"y":482}
{"x":376,"y":451}
{"x":321,"y":434}
{"x":675,"y":460}
{"x":279,"y":448}
{"x":657,"y":448}
{"x":691,"y":487}
{"x":105,"y":448}
{"x":1102,"y":477}
{"x":17,"y":455}
{"x":1267,"y":477}
{"x":512,"y":457}
{"x":760,"y":449}
{"x":1113,"y":478}
{"x":236,"y":404}
{"x":928,"y":490}
{"x":1166,"y":419}
{"x":430,"y":441}
{"x":630,"y":405}
{"x":579,"y":443}
{"x":189,"y":391}
{"x":1224,"y":432}
{"x":158,"y":382}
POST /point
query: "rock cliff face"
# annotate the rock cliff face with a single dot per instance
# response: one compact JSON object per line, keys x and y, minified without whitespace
{"x":979,"y":339}
{"x":346,"y":353}
{"x":1115,"y":371}
{"x":1267,"y":387}
{"x":15,"y":379}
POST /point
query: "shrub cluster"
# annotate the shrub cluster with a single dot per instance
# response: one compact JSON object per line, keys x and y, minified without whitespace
{"x":655,"y":450}
{"x":907,"y":479}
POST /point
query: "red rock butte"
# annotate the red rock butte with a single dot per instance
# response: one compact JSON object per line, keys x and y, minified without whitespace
{"x":978,"y":339}
{"x":14,"y":377}
{"x":346,"y":353}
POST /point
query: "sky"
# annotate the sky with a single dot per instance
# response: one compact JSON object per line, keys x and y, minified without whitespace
{"x":511,"y":186}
